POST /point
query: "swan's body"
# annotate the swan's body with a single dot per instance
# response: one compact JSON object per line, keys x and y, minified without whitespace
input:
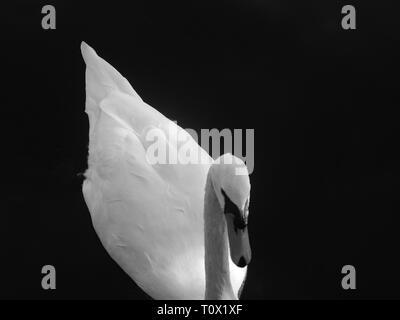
{"x":148,"y":217}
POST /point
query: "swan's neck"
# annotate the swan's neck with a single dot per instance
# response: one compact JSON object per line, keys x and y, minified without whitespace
{"x":218,"y":282}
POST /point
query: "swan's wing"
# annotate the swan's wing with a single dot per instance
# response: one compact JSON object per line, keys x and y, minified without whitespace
{"x":101,"y":77}
{"x":148,"y":216}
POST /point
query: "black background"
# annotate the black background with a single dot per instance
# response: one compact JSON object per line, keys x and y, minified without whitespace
{"x":322,"y":101}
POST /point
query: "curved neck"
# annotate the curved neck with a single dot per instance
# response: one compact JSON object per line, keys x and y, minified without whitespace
{"x":218,"y":282}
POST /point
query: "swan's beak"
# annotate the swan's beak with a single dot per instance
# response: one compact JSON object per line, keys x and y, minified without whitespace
{"x":239,"y":244}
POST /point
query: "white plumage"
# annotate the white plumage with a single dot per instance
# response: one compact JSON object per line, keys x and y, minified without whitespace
{"x":148,"y":217}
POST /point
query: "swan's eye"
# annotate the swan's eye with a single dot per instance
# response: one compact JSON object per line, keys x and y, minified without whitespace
{"x":240,"y":220}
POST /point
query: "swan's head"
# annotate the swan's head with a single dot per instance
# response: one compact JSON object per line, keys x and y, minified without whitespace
{"x":232,"y":186}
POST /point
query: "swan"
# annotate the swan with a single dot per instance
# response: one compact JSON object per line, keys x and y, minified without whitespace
{"x":178,"y":230}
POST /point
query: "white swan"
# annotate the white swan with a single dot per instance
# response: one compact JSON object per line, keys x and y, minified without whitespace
{"x":166,"y":225}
